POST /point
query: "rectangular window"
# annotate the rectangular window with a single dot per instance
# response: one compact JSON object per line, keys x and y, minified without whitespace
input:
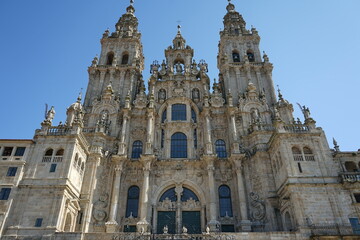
{"x":38,"y":222}
{"x":355,"y":225}
{"x":20,"y":151}
{"x":53,"y":167}
{"x":7,"y":151}
{"x":5,"y":193}
{"x":178,"y":112}
{"x":11,"y":172}
{"x":357,"y":197}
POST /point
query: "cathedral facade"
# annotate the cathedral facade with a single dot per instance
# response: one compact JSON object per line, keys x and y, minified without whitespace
{"x":184,"y":159}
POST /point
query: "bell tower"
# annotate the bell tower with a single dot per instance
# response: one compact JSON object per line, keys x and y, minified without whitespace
{"x":120,"y":63}
{"x":239,"y":59}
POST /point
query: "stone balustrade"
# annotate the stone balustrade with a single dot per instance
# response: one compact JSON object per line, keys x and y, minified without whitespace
{"x":350,"y":177}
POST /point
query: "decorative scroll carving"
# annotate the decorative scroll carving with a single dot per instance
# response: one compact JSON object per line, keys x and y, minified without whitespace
{"x":258,"y":212}
{"x":100,"y":207}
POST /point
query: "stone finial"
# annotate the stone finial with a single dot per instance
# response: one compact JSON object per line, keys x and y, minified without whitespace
{"x":336,"y":146}
{"x":279,"y":93}
{"x":95,"y":61}
{"x":265,"y":57}
{"x":131,"y":2}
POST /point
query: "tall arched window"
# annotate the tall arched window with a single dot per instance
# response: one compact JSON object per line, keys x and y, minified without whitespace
{"x":308,"y":154}
{"x":193,"y":115}
{"x":236,"y":57}
{"x":250,"y":56}
{"x":125,"y":59}
{"x":136,"y":149}
{"x":132,"y":205}
{"x":297,"y":154}
{"x":178,"y":145}
{"x":178,"y":112}
{"x":110,"y":58}
{"x":163,"y":116}
{"x":220,"y":148}
{"x":225,"y":201}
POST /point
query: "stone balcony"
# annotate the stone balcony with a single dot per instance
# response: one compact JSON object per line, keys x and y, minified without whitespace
{"x":349,"y":177}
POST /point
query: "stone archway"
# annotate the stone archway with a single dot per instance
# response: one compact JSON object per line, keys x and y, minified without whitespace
{"x":176,"y":208}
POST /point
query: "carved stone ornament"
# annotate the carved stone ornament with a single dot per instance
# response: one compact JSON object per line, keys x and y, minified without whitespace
{"x":191,"y":204}
{"x":216,"y":99}
{"x":179,"y":90}
{"x":141,"y":101}
{"x":258,"y":212}
{"x":100,"y":207}
{"x":138,"y":132}
{"x":166,"y":204}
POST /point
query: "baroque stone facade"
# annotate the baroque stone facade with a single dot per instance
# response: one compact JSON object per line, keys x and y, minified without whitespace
{"x":184,"y":159}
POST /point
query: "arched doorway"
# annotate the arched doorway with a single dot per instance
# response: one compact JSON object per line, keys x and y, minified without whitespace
{"x":179,"y":207}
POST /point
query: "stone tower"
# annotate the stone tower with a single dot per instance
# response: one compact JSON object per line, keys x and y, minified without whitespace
{"x":184,"y":160}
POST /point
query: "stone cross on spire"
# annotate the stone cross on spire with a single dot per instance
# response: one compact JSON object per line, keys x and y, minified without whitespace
{"x":179,"y":28}
{"x":131,"y":2}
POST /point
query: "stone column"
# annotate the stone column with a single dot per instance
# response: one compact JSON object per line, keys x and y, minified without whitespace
{"x":213,"y":223}
{"x":112,"y":224}
{"x":233,"y":129}
{"x":143,"y":224}
{"x":207,"y":135}
{"x":122,"y":144}
{"x":244,"y":223}
{"x":150,"y":132}
{"x":268,"y":68}
{"x":179,"y":189}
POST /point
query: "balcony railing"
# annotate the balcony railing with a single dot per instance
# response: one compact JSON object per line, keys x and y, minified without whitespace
{"x":296,"y":128}
{"x":350,"y":177}
{"x":58,"y":131}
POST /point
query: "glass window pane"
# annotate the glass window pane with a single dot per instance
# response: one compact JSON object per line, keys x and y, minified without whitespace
{"x":178,"y":112}
{"x":178,"y":145}
{"x":136,"y":149}
{"x":220,"y":149}
{"x":225,"y":201}
{"x":133,"y":202}
{"x":7,"y":151}
{"x":163,"y":116}
{"x":20,"y":151}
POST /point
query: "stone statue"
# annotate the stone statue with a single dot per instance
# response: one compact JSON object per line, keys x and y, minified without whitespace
{"x":184,"y":230}
{"x":162,"y":94}
{"x":207,"y":230}
{"x":165,"y":229}
{"x":50,"y":115}
{"x":178,"y":67}
{"x":195,"y":94}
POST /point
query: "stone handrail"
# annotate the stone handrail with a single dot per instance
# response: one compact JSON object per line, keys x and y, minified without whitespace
{"x":296,"y":128}
{"x":350,"y":177}
{"x":58,"y":131}
{"x":261,"y":127}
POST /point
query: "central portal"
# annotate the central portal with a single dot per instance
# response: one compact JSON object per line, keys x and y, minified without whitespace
{"x":177,"y":208}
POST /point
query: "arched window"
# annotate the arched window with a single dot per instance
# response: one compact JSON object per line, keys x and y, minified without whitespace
{"x":49,"y":152}
{"x":48,"y":155}
{"x":178,"y":112}
{"x":250,"y":56}
{"x":76,"y":159}
{"x":193,"y":115}
{"x":125,"y":59}
{"x":60,"y":152}
{"x":288,"y":223}
{"x":132,"y":205}
{"x":308,"y":154}
{"x":195,"y":138}
{"x":220,"y":148}
{"x":236,"y":57}
{"x":162,"y":138}
{"x":169,"y":194}
{"x":225,"y":201}
{"x":163,"y":116}
{"x":110,"y":58}
{"x":350,"y":166}
{"x":178,"y":145}
{"x":188,"y":194}
{"x":297,"y":154}
{"x":136,"y":149}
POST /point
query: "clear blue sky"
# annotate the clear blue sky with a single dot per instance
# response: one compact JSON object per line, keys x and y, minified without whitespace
{"x":46,"y":47}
